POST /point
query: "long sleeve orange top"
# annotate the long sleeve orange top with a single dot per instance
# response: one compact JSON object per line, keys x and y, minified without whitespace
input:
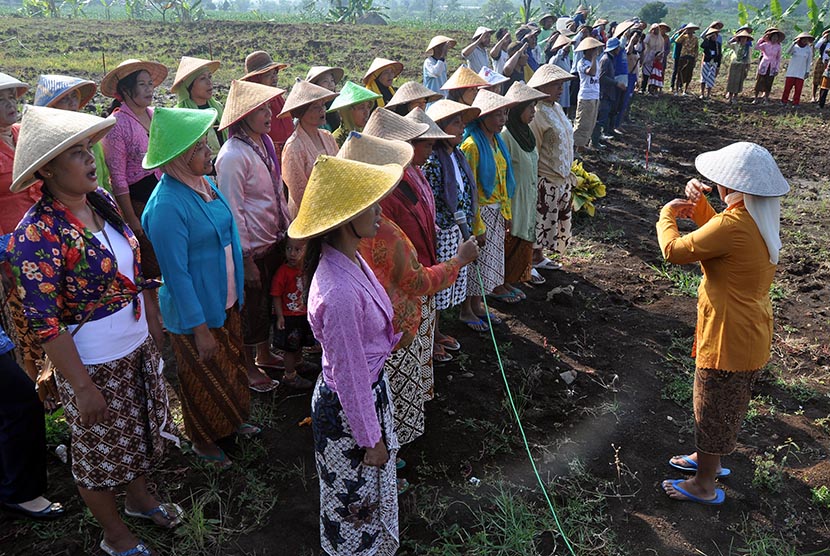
{"x":734,"y":311}
{"x":394,"y":260}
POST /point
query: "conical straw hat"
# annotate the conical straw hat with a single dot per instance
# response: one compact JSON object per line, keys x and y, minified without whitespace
{"x":492,"y":77}
{"x":805,"y":35}
{"x":480,"y":31}
{"x":691,"y":26}
{"x":464,"y":78}
{"x":520,"y":93}
{"x":158,"y":73}
{"x":338,"y":190}
{"x":9,"y":82}
{"x":444,"y":108}
{"x":316,"y":72}
{"x":259,"y":62}
{"x":563,"y":25}
{"x":410,"y":92}
{"x":745,"y":167}
{"x":380,"y":64}
{"x":243,"y":98}
{"x":173,"y":131}
{"x":304,"y":93}
{"x":190,"y":68}
{"x":561,"y":41}
{"x":623,"y":27}
{"x":418,"y":115}
{"x":743,"y":34}
{"x":489,"y":102}
{"x":548,"y":73}
{"x":588,"y":43}
{"x":386,"y":124}
{"x":375,"y":150}
{"x":52,"y":88}
{"x":352,"y":94}
{"x":665,"y":26}
{"x":438,"y":40}
{"x":45,"y":133}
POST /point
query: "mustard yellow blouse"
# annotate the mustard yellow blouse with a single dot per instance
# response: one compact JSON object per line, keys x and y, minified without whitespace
{"x":734,"y":311}
{"x":470,"y":150}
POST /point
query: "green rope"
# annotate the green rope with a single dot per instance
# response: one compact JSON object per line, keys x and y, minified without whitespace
{"x":516,"y":415}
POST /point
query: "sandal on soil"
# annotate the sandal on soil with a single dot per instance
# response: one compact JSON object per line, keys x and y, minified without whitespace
{"x":509,"y":297}
{"x":720,"y":496}
{"x":279,"y":365}
{"x":247,"y":430}
{"x":518,"y":293}
{"x":476,"y":325}
{"x":298,"y":383}
{"x":400,"y":464}
{"x":547,"y":264}
{"x":221,"y":461}
{"x":493,"y":319}
{"x":536,"y":278}
{"x":691,"y":466}
{"x":439,"y":355}
{"x":449,"y":343}
{"x":403,"y":486}
{"x":170,"y":511}
{"x":138,"y":550}
{"x":264,"y":387}
{"x":50,"y":512}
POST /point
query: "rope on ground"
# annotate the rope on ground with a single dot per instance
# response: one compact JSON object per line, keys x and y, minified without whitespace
{"x":518,"y":419}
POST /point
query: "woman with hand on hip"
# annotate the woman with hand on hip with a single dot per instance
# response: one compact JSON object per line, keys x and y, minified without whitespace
{"x":738,"y":250}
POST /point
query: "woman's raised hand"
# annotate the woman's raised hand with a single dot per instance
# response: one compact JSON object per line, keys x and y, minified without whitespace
{"x":681,"y":208}
{"x":468,"y":251}
{"x":695,"y":190}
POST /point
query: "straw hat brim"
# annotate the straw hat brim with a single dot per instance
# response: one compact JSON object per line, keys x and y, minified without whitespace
{"x":434,"y":132}
{"x":158,"y":73}
{"x":192,"y":69}
{"x":745,"y":167}
{"x":273,"y":65}
{"x":480,"y":31}
{"x":243,"y":98}
{"x":438,"y":40}
{"x":488,"y":102}
{"x":623,"y":27}
{"x":548,"y":73}
{"x":521,"y":93}
{"x":443,"y":109}
{"x":691,"y":27}
{"x":588,"y":43}
{"x":378,"y":66}
{"x":25,"y":176}
{"x":302,"y":94}
{"x":464,"y":78}
{"x":665,"y":26}
{"x":744,"y":35}
{"x":386,"y":124}
{"x":329,"y":202}
{"x":375,"y":150}
{"x":352,"y":94}
{"x":19,"y":87}
{"x":317,"y":72}
{"x":410,"y":92}
{"x":808,"y":36}
{"x":86,"y":89}
{"x":206,"y":116}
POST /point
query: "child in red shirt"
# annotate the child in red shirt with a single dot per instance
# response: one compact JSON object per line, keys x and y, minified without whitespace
{"x":292,"y":329}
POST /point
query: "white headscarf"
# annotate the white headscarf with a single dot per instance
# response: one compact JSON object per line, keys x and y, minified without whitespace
{"x":766,"y":212}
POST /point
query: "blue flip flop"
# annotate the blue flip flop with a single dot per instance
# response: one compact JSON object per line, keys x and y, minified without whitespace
{"x":720,"y":496}
{"x":692,"y":467}
{"x":492,"y":318}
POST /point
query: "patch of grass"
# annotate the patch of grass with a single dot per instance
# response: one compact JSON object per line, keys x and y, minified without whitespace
{"x":821,"y":496}
{"x":798,"y":388}
{"x":678,"y":375}
{"x":769,"y":474}
{"x":57,"y":431}
{"x":764,"y":541}
{"x":778,"y":292}
{"x":823,"y":423}
{"x":758,"y":407}
{"x":497,"y":438}
{"x":684,"y":281}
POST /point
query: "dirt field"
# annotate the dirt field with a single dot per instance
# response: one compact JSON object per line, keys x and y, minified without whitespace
{"x":615,"y":315}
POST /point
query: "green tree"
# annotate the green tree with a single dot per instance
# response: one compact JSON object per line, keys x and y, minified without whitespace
{"x":653,"y":12}
{"x":498,"y":10}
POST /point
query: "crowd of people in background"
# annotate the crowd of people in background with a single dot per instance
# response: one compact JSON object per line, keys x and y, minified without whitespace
{"x":341,"y":218}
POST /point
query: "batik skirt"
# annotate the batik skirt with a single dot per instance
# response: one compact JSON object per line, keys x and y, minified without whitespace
{"x":358,"y":503}
{"x":708,"y":72}
{"x":28,"y":351}
{"x":426,"y":336}
{"x":720,"y":400}
{"x":490,"y":263}
{"x":214,"y":394}
{"x":518,"y":257}
{"x":403,"y":369}
{"x":114,"y":453}
{"x":736,"y":77}
{"x":448,"y":241}
{"x":553,"y":213}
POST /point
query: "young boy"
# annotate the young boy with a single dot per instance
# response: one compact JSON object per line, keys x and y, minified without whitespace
{"x":292,"y":329}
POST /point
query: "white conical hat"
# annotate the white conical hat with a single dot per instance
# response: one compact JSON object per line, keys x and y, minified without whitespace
{"x":488,"y":102}
{"x":386,"y":124}
{"x":376,"y":150}
{"x":304,"y":93}
{"x":47,"y":132}
{"x":243,"y":98}
{"x":9,"y":82}
{"x":745,"y":167}
{"x":434,"y":132}
{"x":410,"y":92}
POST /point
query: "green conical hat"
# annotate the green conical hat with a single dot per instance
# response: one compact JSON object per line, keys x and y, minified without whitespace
{"x":173,"y":131}
{"x":352,"y":94}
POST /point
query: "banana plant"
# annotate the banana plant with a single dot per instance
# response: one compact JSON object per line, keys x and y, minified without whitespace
{"x":817,"y":16}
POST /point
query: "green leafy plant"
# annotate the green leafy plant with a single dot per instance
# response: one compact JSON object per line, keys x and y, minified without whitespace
{"x":351,"y":11}
{"x":40,"y":8}
{"x":685,"y":282}
{"x":769,"y":473}
{"x":57,"y":431}
{"x":821,"y":496}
